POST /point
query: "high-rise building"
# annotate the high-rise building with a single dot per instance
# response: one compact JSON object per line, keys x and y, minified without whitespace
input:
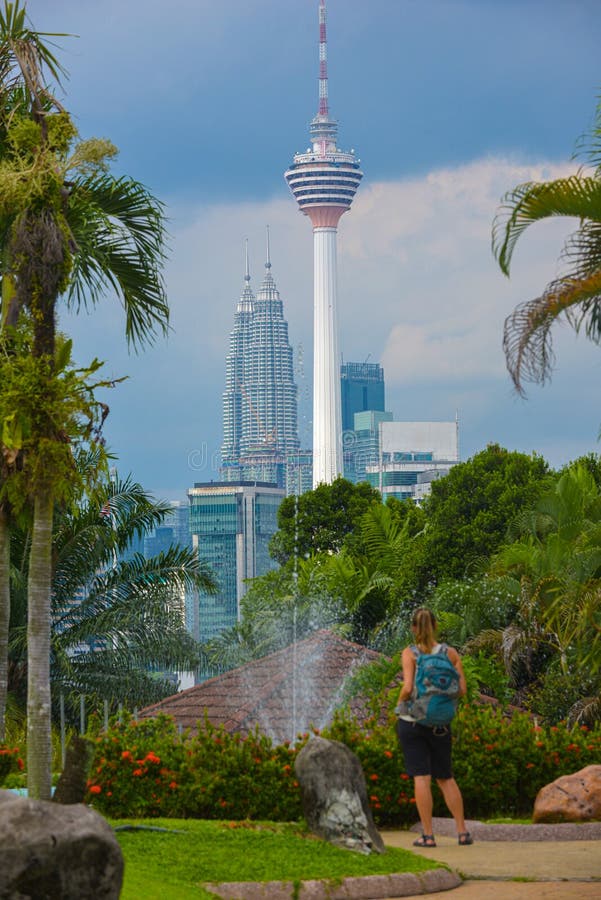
{"x":412,"y":456}
{"x":260,"y":417}
{"x":324,"y":181}
{"x":231,"y":525}
{"x":362,"y":444}
{"x":362,"y":389}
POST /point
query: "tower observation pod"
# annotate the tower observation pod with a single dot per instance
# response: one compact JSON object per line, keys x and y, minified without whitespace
{"x":324,"y":181}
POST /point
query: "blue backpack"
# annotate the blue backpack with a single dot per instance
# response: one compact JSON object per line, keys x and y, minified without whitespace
{"x":435,"y":688}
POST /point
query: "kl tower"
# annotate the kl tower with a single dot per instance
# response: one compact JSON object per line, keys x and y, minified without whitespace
{"x":324,"y":181}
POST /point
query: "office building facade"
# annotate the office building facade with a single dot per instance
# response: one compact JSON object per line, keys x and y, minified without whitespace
{"x":231,"y":524}
{"x":412,"y":456}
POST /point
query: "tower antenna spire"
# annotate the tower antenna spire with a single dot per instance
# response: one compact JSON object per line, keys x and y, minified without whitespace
{"x":268,"y":263}
{"x":323,"y":109}
{"x":246,"y":267}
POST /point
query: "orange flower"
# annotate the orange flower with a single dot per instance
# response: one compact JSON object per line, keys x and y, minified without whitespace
{"x":126,"y":754}
{"x":138,"y":772}
{"x":404,"y":776}
{"x":152,"y":757}
{"x":173,"y":785}
{"x":95,"y":789}
{"x":388,"y":754}
{"x":373,"y":777}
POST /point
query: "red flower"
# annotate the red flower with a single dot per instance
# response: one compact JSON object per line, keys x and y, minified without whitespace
{"x":152,"y":758}
{"x":373,"y":777}
{"x":388,"y":754}
{"x":95,"y":789}
{"x":404,"y":776}
{"x":20,"y":764}
{"x":138,"y":772}
{"x":173,"y":785}
{"x":126,"y":754}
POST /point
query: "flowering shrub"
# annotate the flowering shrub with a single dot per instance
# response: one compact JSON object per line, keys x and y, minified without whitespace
{"x":10,"y":762}
{"x":140,"y":769}
{"x":147,"y":769}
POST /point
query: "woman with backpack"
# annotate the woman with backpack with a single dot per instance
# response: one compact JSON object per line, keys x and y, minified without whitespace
{"x":433,"y":681}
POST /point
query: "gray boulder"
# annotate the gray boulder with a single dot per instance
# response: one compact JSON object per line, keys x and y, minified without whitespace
{"x":334,"y":796}
{"x":54,"y":852}
{"x":72,"y":784}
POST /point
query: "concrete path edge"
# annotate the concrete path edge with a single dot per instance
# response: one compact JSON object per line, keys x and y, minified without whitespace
{"x":365,"y":887}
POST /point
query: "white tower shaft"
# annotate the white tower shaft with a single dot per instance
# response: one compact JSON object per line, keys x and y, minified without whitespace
{"x":324,"y":181}
{"x":327,"y":428}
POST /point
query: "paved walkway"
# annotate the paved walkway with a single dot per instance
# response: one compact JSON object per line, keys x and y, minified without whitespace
{"x":552,"y":866}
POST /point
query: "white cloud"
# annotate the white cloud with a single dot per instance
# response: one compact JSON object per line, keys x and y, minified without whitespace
{"x":419,"y":291}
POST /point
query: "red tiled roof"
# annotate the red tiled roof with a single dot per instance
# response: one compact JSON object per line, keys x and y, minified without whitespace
{"x":284,"y":693}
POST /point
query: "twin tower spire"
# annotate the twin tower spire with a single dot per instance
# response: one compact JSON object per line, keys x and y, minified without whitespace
{"x":260,"y":415}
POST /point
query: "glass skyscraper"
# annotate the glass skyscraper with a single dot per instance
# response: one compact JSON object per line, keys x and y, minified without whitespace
{"x":362,"y":389}
{"x":231,"y":525}
{"x":260,"y":417}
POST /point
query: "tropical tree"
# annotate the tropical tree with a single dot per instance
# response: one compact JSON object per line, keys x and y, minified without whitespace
{"x":470,"y":510}
{"x":68,"y":228}
{"x":322,"y":520}
{"x":556,"y":566}
{"x":118,"y":630}
{"x":575,"y":296}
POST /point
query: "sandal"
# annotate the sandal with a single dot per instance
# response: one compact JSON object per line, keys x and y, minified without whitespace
{"x":464,"y":838}
{"x":426,"y":840}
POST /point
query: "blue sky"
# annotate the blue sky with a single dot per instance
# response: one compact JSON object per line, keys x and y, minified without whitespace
{"x":448,"y":103}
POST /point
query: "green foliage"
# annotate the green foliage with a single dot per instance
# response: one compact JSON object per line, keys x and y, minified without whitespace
{"x":468,"y":607}
{"x":322,"y":520}
{"x":485,"y":674}
{"x":470,"y":510}
{"x":46,"y":408}
{"x":558,"y":696}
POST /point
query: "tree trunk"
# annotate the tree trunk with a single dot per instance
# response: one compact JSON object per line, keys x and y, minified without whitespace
{"x":4,"y":616}
{"x":39,"y":741}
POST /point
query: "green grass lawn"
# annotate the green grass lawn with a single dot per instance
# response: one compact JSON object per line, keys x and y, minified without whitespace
{"x":173,"y":865}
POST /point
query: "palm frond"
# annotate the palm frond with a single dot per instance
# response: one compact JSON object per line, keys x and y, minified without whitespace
{"x":577,"y":195}
{"x":119,"y":237}
{"x":527,"y":338}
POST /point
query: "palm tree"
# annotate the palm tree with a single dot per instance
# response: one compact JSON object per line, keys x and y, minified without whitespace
{"x":67,"y":228}
{"x":117,"y":622}
{"x":577,"y":295}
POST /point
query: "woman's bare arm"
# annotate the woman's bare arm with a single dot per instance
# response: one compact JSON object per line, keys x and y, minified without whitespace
{"x":408,"y":661}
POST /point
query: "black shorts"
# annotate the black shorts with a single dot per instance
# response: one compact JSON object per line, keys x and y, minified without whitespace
{"x":427,"y":751}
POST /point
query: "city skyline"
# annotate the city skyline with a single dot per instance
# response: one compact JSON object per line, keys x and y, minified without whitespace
{"x":452,"y":103}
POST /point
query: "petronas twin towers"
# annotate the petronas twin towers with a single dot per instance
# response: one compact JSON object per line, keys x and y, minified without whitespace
{"x":260,"y":416}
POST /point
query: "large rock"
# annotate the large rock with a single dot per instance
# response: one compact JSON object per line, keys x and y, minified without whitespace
{"x":72,"y":784}
{"x":54,"y":852}
{"x":570,"y":798}
{"x":334,"y":796}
